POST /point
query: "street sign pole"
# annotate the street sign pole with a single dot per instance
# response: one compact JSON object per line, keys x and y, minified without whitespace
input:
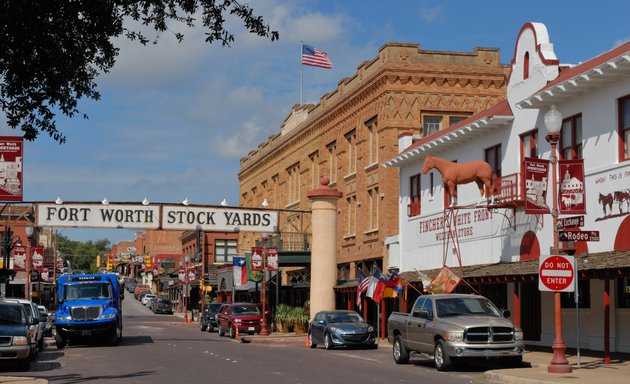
{"x":577,"y":310}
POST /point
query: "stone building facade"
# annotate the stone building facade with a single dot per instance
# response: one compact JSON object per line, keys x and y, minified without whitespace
{"x":355,"y":127}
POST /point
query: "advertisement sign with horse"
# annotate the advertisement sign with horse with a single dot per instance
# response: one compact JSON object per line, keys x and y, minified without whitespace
{"x":572,"y":192}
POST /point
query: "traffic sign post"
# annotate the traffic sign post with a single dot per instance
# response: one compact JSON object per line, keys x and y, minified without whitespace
{"x":556,"y":273}
{"x":571,"y":222}
{"x":575,"y":235}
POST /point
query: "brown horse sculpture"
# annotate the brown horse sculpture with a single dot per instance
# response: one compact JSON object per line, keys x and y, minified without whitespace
{"x":454,"y":174}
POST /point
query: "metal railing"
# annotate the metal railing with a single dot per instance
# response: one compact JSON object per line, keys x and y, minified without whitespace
{"x":289,"y":241}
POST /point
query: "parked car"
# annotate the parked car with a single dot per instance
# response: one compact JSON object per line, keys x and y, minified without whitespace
{"x":246,"y":316}
{"x":47,"y":318}
{"x":454,"y":327}
{"x":150,"y":301}
{"x":208,"y":319}
{"x":147,"y":297}
{"x":340,"y":328}
{"x":139,"y":289}
{"x":162,"y":305}
{"x":32,"y":312}
{"x":17,"y":335}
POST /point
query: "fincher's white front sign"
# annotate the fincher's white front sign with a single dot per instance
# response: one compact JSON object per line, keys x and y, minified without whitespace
{"x":169,"y":217}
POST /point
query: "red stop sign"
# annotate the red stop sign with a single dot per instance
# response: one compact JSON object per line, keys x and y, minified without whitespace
{"x":556,"y":273}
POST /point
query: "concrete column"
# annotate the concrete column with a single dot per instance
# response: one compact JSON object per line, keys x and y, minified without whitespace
{"x":324,"y":201}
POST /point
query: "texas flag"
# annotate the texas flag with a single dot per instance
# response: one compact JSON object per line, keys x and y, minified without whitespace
{"x":240,"y":270}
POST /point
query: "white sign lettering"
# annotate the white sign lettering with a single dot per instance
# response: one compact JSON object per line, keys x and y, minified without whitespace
{"x":218,"y":219}
{"x":98,"y":216}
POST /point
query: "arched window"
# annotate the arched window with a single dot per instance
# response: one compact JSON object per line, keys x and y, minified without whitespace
{"x":526,"y":66}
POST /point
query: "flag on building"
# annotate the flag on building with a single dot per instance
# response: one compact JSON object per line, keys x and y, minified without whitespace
{"x":376,"y":285}
{"x":391,"y":286}
{"x":362,"y":287}
{"x":240,"y":270}
{"x":314,"y":57}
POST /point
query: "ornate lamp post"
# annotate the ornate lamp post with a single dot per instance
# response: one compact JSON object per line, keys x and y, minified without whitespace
{"x":263,"y":291}
{"x":553,"y":124}
{"x":27,"y":287}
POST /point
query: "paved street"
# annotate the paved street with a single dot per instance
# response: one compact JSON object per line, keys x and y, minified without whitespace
{"x":164,"y":349}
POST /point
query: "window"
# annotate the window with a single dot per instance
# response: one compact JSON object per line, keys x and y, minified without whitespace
{"x":432,"y":124}
{"x":332,"y":161}
{"x":571,"y":138}
{"x":352,"y":152}
{"x":294,"y":183}
{"x":526,"y":66}
{"x":529,"y":145}
{"x":493,"y":157}
{"x":414,"y":196}
{"x":624,"y":128}
{"x":314,"y":160}
{"x":351,"y":211}
{"x":567,"y":299}
{"x":372,"y":128}
{"x":623,"y":292}
{"x":373,"y":208}
{"x":455,"y":119}
{"x":224,"y":250}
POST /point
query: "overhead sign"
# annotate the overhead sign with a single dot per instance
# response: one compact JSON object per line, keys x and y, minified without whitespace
{"x":571,"y":222}
{"x":175,"y":217}
{"x":576,"y":235}
{"x":556,"y":273}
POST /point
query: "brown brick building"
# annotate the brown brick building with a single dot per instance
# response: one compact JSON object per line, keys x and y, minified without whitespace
{"x":404,"y":90}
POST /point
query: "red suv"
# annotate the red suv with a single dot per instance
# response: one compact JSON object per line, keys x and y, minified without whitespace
{"x":246,"y":316}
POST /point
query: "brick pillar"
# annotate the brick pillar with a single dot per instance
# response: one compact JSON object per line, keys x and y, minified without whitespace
{"x":324,"y":201}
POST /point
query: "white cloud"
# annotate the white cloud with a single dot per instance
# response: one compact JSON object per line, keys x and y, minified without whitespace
{"x":240,"y":143}
{"x":430,"y":14}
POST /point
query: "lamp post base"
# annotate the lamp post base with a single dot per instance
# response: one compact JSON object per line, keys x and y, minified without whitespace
{"x":559,"y":362}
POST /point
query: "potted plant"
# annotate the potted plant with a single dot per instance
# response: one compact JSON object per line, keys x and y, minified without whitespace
{"x":300,"y":319}
{"x":280,"y":317}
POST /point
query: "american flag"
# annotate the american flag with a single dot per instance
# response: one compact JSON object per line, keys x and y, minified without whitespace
{"x":314,"y":57}
{"x":363,"y":284}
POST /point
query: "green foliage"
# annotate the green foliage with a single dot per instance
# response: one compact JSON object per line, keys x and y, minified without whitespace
{"x":82,"y":255}
{"x":282,"y":313}
{"x":52,"y":50}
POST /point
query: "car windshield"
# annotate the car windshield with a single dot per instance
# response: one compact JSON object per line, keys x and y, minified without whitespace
{"x":458,"y":306}
{"x":12,"y":314}
{"x":88,"y":291}
{"x":242,"y":309}
{"x":348,"y":317}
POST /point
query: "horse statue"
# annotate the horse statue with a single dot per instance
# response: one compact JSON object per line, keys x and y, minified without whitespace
{"x":606,"y":200}
{"x":454,"y":174}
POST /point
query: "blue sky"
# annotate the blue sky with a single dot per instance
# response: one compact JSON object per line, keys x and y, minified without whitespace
{"x":175,"y":118}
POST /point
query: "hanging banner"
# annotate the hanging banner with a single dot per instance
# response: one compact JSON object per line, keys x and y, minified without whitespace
{"x":192,"y":275}
{"x":255,"y":276}
{"x":272,"y":259}
{"x":181,"y":275}
{"x":11,"y":168}
{"x":572,"y":192}
{"x":19,"y":258}
{"x":536,"y":179}
{"x":37,"y":259}
{"x":445,"y":282}
{"x":257,"y":259}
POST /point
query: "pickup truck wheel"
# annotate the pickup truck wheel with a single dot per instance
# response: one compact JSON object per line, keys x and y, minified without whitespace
{"x":311,"y":343}
{"x":202,"y":326}
{"x":442,"y":360}
{"x":401,"y":356}
{"x":328,"y":344}
{"x":60,"y":341}
{"x":210,"y":328}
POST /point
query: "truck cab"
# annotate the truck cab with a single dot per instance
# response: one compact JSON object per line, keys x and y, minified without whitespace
{"x":89,"y":305}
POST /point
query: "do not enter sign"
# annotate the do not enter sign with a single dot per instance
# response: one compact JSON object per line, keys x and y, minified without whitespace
{"x":556,"y":273}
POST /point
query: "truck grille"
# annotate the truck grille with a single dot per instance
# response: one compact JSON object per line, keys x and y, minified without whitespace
{"x":489,"y":335}
{"x":85,"y":313}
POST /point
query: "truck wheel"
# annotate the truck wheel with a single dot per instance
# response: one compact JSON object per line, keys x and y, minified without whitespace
{"x":24,"y":365}
{"x":328,"y":344}
{"x":442,"y":360}
{"x":202,"y":326}
{"x":401,"y":356}
{"x":60,"y":341}
{"x":311,"y":342}
{"x":210,"y":328}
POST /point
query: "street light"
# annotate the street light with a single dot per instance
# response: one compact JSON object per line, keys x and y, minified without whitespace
{"x":184,"y":297}
{"x":553,"y":124}
{"x":27,"y":289}
{"x":263,"y":291}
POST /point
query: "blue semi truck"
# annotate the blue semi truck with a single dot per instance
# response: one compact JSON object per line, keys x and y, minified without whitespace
{"x":89,"y":307}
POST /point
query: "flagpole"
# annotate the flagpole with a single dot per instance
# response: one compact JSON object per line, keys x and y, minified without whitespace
{"x":301,"y":71}
{"x":378,"y":323}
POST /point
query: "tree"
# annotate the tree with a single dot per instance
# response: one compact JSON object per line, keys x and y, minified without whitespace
{"x":52,"y":50}
{"x":82,"y":255}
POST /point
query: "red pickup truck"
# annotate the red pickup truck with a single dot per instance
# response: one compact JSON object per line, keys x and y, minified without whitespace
{"x":246,"y":316}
